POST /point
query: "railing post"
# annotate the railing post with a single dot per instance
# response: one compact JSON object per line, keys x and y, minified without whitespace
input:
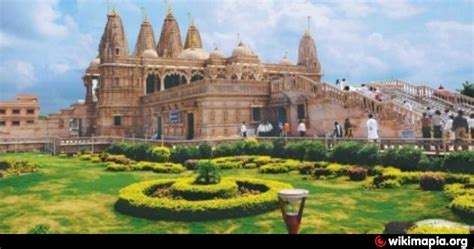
{"x":54,"y":146}
{"x":92,"y":143}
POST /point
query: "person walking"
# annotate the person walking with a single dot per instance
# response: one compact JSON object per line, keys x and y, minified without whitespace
{"x":372,"y":129}
{"x":337,"y":130}
{"x":460,"y":128}
{"x":243,"y":130}
{"x":286,"y":129}
{"x":438,"y":123}
{"x":302,"y":128}
{"x":426,"y":125}
{"x":348,"y":129}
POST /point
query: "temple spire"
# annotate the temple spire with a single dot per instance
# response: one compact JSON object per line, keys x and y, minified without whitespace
{"x":114,"y":41}
{"x":170,"y":44}
{"x":193,"y":37}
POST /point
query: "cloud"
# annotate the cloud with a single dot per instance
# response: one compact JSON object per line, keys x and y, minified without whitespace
{"x":399,"y":9}
{"x":20,"y":72}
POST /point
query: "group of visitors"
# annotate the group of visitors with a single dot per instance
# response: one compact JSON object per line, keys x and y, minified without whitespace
{"x":446,"y":125}
{"x":265,"y":129}
{"x":345,"y":131}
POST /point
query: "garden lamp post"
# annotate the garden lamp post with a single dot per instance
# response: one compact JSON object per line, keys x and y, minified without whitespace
{"x":292,"y":205}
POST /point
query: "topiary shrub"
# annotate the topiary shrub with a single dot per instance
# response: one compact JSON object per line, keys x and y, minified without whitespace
{"x":139,"y":151}
{"x":262,"y":160}
{"x":223,"y":150}
{"x":205,"y":151}
{"x":390,"y":184}
{"x":432,"y":181}
{"x":460,"y":162}
{"x":306,"y":168}
{"x":85,"y":157}
{"x":368,"y":155}
{"x":279,"y":145}
{"x":136,"y":200}
{"x":250,"y":166}
{"x":119,"y":159}
{"x":96,"y":159}
{"x":168,"y":168}
{"x":116,"y":167}
{"x":431,"y":164}
{"x":463,"y":205}
{"x":187,"y":190}
{"x":207,"y":173}
{"x":346,"y":152}
{"x":191,"y":164}
{"x":457,"y":178}
{"x":406,"y":158}
{"x":160,"y":154}
{"x":457,"y":189}
{"x":250,"y":146}
{"x":338,"y":169}
{"x":315,"y":151}
{"x":4,"y":165}
{"x":273,"y":169}
{"x":322,"y":172}
{"x":181,"y":154}
{"x":295,"y":150}
{"x":118,"y":148}
{"x":357,"y":174}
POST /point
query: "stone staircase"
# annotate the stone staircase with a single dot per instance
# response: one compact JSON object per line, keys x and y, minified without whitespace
{"x":391,"y":114}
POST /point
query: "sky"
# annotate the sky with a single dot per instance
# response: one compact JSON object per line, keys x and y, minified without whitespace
{"x":46,"y":45}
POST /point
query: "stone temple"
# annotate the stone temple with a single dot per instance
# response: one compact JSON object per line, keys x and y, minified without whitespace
{"x":181,"y":91}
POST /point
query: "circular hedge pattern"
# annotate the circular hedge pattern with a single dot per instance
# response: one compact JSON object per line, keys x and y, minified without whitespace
{"x":187,"y":190}
{"x":135,"y":200}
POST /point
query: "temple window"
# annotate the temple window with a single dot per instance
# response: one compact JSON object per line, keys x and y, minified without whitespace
{"x":150,"y":84}
{"x":3,"y":111}
{"x":196,"y":77}
{"x":3,"y":123}
{"x":174,"y":80}
{"x":15,"y":123}
{"x":30,"y":122}
{"x":117,"y":121}
{"x":30,"y":111}
{"x":117,"y":51}
{"x":301,"y":111}
{"x":257,"y":114}
{"x":16,"y":111}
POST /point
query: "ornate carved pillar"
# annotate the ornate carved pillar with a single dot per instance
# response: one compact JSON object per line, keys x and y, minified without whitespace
{"x":88,"y":84}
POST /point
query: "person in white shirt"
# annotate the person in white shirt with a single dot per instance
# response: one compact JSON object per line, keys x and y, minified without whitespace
{"x":261,"y":129}
{"x":372,"y":128}
{"x":448,"y":128}
{"x":408,"y":105}
{"x":243,"y":130}
{"x":302,"y":128}
{"x":337,"y":130}
{"x":343,"y":84}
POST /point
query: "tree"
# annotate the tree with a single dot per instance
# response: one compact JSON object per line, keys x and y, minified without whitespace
{"x":468,"y":89}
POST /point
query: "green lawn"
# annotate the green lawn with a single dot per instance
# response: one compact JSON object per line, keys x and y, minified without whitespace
{"x":74,"y":196}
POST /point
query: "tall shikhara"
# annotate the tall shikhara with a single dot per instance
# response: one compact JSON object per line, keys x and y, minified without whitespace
{"x":170,"y":44}
{"x":113,"y":44}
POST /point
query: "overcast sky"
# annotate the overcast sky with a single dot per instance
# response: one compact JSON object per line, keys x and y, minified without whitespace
{"x":46,"y":45}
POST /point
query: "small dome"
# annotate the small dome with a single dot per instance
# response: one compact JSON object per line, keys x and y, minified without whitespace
{"x":216,"y":54}
{"x":150,"y":53}
{"x":194,"y":54}
{"x":95,"y":62}
{"x":242,"y":50}
{"x":286,"y":61}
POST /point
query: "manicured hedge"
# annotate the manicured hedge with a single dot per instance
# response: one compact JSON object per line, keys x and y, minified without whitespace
{"x":430,"y":229}
{"x":133,"y":200}
{"x":188,"y":190}
{"x":16,"y":167}
{"x":457,"y":189}
{"x":432,"y":181}
{"x":460,"y":162}
{"x":463,"y":205}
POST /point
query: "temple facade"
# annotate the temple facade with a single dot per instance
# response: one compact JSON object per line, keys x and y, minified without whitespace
{"x":180,"y":91}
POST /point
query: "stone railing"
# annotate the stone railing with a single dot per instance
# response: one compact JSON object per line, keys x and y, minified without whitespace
{"x":451,"y":99}
{"x":230,"y":87}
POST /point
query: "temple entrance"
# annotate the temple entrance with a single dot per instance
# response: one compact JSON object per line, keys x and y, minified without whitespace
{"x":190,"y":126}
{"x":281,"y":115}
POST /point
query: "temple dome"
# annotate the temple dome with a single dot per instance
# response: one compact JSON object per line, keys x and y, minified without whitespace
{"x":95,"y":62}
{"x":150,"y":53}
{"x":194,"y":54}
{"x":243,"y":50}
{"x":216,"y":54}
{"x":286,"y":61}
